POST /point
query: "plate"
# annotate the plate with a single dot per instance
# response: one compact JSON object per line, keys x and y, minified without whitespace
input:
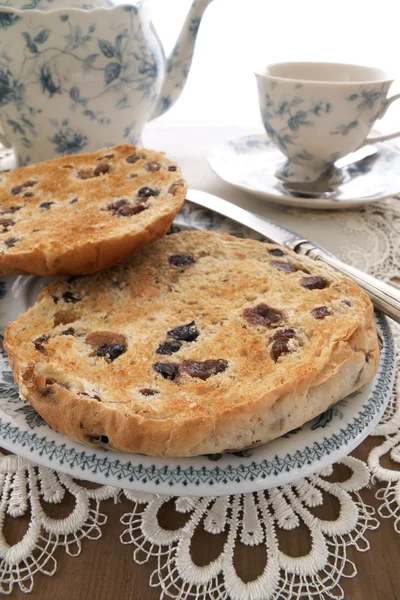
{"x":317,"y":444}
{"x":249,"y":163}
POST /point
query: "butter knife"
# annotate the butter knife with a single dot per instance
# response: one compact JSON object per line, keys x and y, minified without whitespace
{"x":385,"y":297}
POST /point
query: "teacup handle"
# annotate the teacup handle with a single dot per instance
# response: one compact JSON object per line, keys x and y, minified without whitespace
{"x":389,"y":136}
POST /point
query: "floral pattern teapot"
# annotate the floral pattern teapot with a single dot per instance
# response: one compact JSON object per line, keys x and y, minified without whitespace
{"x":77,"y":77}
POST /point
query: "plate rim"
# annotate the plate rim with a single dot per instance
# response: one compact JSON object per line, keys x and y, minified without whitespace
{"x":65,"y":457}
{"x":288,"y":200}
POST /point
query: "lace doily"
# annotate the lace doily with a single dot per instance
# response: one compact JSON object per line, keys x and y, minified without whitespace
{"x":253,"y":520}
{"x":380,"y":224}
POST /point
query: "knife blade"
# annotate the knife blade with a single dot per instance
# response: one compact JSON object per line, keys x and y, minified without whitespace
{"x":385,"y":297}
{"x":268,"y":229}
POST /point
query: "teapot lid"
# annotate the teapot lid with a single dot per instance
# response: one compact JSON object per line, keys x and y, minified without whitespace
{"x":49,"y":5}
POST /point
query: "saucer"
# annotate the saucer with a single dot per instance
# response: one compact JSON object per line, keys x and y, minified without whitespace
{"x":249,"y":163}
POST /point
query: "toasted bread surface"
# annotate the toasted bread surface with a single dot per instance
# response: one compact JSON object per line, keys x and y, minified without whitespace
{"x":200,"y":343}
{"x":83,"y":213}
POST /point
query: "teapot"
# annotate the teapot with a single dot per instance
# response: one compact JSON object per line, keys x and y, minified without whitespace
{"x":76,"y":77}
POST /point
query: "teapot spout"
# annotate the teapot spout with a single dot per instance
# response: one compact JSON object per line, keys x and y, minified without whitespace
{"x":180,"y":59}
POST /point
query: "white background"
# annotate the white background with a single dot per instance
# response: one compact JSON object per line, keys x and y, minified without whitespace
{"x":237,"y":35}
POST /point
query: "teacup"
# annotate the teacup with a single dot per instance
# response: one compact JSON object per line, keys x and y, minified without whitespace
{"x":317,"y":113}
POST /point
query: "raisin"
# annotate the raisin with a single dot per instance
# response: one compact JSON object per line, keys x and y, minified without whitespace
{"x":172,"y":168}
{"x":28,"y":195}
{"x":46,"y":205}
{"x":105,"y":338}
{"x":314,"y":283}
{"x":107,"y":343}
{"x":367,"y":357}
{"x":280,"y":342}
{"x":71,"y":298}
{"x":169,"y":348}
{"x":112,"y":352}
{"x":320,"y":312}
{"x":6,"y":224}
{"x":40,"y":341}
{"x":73,"y":200}
{"x":92,"y":396}
{"x":152,"y":167}
{"x":69,"y":331}
{"x":62,"y":317}
{"x":347,"y":303}
{"x":128,"y":211}
{"x":46,"y":391}
{"x":181,"y":260}
{"x":187,"y":333}
{"x":276,"y":252}
{"x":167,"y":370}
{"x":284,"y":266}
{"x":17,"y":189}
{"x":116,"y":205}
{"x":133,"y":158}
{"x":102,"y":439}
{"x":11,"y":210}
{"x":204,"y":369}
{"x":101,"y":169}
{"x":146,"y":192}
{"x":263,"y":315}
{"x":174,"y":187}
{"x":11,"y":242}
{"x":148,"y":392}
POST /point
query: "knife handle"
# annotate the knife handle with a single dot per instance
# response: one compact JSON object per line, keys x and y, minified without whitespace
{"x":385,"y":297}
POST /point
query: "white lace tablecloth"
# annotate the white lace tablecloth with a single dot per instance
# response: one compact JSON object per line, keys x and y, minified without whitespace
{"x":369,"y":239}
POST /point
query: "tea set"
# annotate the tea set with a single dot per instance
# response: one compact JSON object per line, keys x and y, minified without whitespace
{"x":78,"y":75}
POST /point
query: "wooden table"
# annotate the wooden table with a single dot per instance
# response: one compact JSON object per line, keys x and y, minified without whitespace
{"x":105,"y":568}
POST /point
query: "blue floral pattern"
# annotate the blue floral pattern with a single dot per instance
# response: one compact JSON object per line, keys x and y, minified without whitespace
{"x":103,"y":70}
{"x":7,"y":19}
{"x":123,"y":69}
{"x":46,"y":5}
{"x":66,"y":140}
{"x":365,"y":100}
{"x":293,"y":116}
{"x":340,"y":115}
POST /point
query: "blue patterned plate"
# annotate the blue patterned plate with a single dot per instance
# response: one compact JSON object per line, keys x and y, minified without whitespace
{"x":249,"y":163}
{"x":317,"y":444}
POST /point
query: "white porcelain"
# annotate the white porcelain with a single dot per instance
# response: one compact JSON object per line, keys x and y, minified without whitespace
{"x":250,"y":163}
{"x":315,"y":445}
{"x":317,"y":113}
{"x":77,"y":79}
